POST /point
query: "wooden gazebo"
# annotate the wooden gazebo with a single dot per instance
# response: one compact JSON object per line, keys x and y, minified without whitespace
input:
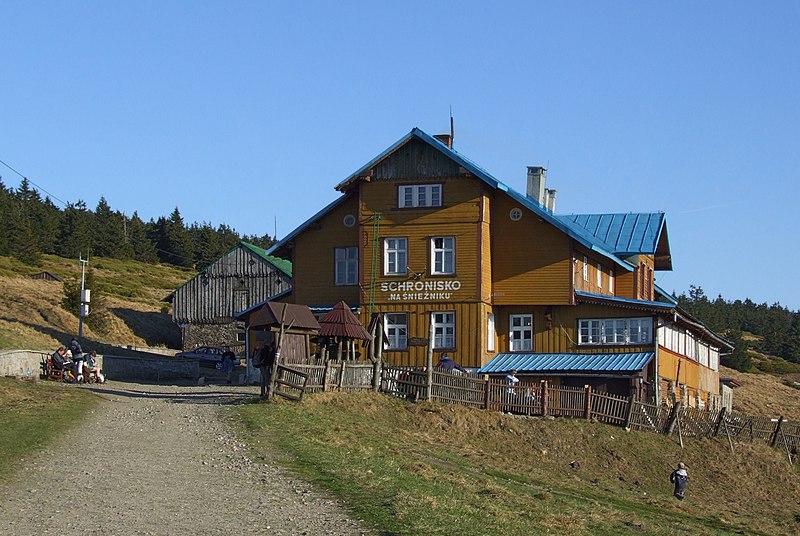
{"x":339,"y":329}
{"x":263,"y":324}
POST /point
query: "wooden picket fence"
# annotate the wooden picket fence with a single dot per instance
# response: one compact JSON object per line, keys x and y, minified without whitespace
{"x":338,"y":376}
{"x":538,"y":399}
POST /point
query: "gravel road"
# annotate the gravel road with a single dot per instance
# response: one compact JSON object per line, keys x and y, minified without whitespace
{"x":153,"y":460}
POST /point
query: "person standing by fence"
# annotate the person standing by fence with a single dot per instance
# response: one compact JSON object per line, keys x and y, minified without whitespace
{"x":265,"y":361}
{"x":679,"y":477}
{"x":77,"y":358}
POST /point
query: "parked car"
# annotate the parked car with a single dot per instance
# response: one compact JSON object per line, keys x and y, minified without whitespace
{"x":211,"y":355}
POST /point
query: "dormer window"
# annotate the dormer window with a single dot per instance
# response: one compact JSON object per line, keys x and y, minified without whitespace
{"x":419,"y":195}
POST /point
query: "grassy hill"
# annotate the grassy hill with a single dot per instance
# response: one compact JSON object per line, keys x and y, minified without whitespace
{"x":131,"y":313}
{"x":435,"y":469}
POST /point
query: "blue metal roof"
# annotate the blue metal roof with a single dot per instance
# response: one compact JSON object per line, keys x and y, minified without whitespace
{"x":288,"y":238}
{"x":623,"y":233}
{"x":627,"y":301}
{"x":590,"y":363}
{"x":574,"y":231}
{"x":666,"y":295}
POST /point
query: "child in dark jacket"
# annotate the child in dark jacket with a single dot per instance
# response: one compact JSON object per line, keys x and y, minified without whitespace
{"x":679,"y":477}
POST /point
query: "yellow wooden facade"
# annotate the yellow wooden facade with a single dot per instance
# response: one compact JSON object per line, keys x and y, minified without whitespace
{"x":509,"y":260}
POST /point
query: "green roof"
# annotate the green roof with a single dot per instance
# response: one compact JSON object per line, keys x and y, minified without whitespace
{"x":281,"y":264}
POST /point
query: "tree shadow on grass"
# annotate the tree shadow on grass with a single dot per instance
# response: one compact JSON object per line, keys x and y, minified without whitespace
{"x":155,"y":328}
{"x":182,"y":395}
{"x":87,"y":344}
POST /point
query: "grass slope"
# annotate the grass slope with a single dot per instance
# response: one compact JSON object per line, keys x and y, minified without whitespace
{"x":764,"y":395}
{"x":432,"y":469}
{"x":33,"y":415}
{"x":31,"y":315}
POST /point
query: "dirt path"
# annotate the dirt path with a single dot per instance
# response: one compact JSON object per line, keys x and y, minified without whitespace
{"x":163,"y":461}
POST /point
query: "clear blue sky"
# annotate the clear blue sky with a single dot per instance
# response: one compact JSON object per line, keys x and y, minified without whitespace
{"x":244,"y":112}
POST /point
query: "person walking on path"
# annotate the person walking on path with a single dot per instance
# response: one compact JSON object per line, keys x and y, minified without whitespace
{"x":227,"y":366}
{"x":679,"y":477}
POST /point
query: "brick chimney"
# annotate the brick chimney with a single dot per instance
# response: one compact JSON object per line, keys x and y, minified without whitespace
{"x":447,"y":139}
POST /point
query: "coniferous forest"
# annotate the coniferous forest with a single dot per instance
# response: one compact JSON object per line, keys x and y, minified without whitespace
{"x":768,"y":329}
{"x":31,"y":225}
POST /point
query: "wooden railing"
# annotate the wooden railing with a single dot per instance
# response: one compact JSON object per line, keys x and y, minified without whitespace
{"x":538,"y":399}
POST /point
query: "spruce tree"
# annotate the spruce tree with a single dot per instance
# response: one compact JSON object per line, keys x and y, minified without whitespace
{"x":75,"y":232}
{"x":143,"y":248}
{"x":109,"y":235}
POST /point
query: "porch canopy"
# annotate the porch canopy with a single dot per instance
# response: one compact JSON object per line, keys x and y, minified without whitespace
{"x":268,"y":314}
{"x":617,"y":364}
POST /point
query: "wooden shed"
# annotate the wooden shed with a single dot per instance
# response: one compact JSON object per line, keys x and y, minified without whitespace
{"x":263,"y":322}
{"x":47,"y":276}
{"x":205,"y":307}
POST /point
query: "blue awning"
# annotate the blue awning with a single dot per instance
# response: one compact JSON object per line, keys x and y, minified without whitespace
{"x":588,"y":363}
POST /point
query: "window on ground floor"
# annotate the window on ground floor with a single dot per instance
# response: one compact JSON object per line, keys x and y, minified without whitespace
{"x":444,"y":330}
{"x":396,"y":328}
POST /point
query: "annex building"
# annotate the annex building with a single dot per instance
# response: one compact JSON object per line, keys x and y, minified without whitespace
{"x":432,"y":243}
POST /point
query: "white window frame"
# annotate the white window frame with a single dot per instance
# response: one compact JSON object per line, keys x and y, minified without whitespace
{"x":611,"y":281}
{"x":640,"y":330}
{"x":444,"y":329}
{"x":615,"y":331}
{"x":585,"y":268}
{"x":419,"y":195}
{"x":599,"y":275}
{"x":395,"y":256}
{"x":442,"y":255}
{"x":520,"y":332}
{"x":491,"y":333}
{"x":346,"y":266}
{"x":395,"y":327}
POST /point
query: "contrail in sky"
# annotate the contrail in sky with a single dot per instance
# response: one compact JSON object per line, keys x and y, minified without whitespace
{"x":701,"y":209}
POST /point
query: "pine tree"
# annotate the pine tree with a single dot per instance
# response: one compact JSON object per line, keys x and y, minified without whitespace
{"x":22,"y":242}
{"x":172,"y":240}
{"x":143,"y":248}
{"x":739,"y":359}
{"x":109,"y":235}
{"x":47,"y":220}
{"x":6,"y":201}
{"x":75,"y":232}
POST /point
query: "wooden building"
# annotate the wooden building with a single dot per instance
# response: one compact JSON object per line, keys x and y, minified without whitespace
{"x":263,"y":325}
{"x":205,"y":307}
{"x":435,"y":244}
{"x":47,"y":276}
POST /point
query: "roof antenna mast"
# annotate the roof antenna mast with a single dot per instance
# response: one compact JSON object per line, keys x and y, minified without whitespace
{"x":452,"y":128}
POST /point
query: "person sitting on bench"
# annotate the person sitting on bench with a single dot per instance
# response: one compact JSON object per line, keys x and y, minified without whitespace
{"x":58,"y":358}
{"x":91,"y":369}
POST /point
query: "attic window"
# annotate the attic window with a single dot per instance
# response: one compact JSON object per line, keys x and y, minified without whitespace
{"x":419,"y":195}
{"x":349,"y":220}
{"x":515,"y":214}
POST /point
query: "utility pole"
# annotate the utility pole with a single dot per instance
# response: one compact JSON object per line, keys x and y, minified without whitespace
{"x":84,"y":307}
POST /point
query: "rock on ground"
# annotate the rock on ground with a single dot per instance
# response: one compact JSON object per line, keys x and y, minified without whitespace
{"x":153,"y":460}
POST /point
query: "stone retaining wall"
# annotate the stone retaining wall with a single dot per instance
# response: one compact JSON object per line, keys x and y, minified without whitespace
{"x":150,"y":369}
{"x":21,"y":363}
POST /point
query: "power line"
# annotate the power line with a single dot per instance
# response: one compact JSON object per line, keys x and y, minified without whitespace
{"x":36,"y":185}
